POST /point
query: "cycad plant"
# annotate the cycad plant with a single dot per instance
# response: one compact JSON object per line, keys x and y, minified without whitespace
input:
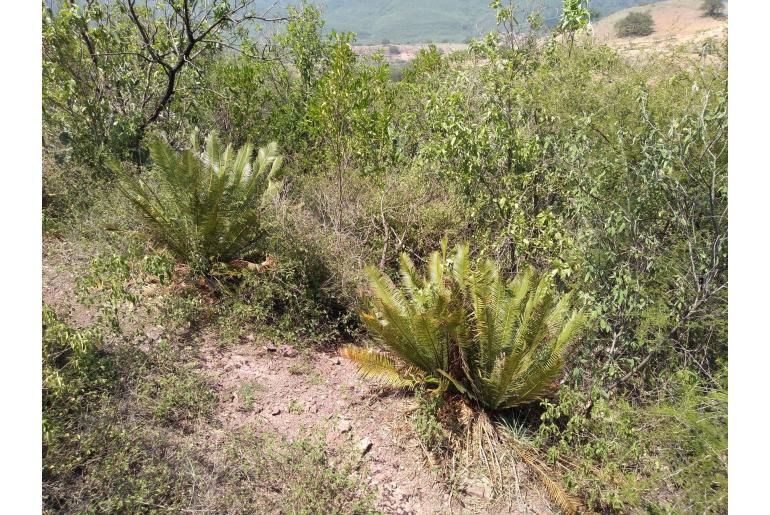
{"x":205,"y":207}
{"x":501,"y":343}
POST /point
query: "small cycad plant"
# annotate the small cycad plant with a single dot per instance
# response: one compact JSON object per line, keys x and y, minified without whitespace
{"x":500,"y":342}
{"x":206,"y":207}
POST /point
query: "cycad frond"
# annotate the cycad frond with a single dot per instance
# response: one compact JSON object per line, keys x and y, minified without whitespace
{"x":519,"y":336}
{"x":376,"y":366}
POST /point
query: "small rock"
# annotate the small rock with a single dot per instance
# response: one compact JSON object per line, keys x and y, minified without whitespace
{"x":276,"y":411}
{"x":344,"y":426}
{"x":250,"y":337}
{"x":480,"y":491}
{"x":154,"y":334}
{"x":364,"y":445}
{"x":288,"y":351}
{"x":335,"y":360}
{"x":270,"y":347}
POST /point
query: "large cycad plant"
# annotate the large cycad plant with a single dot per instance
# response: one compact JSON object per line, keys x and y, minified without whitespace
{"x":500,"y":342}
{"x":206,"y":207}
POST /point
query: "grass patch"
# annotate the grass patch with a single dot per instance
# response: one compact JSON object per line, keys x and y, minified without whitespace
{"x":300,"y":477}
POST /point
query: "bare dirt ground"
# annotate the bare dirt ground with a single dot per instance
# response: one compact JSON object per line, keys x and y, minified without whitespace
{"x":264,"y":384}
{"x":406,"y":52}
{"x":677,"y":22}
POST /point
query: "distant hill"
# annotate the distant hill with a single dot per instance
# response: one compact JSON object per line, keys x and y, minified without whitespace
{"x":439,"y":21}
{"x":421,"y":21}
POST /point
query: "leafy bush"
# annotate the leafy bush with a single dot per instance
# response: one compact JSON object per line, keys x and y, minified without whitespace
{"x":207,"y":208}
{"x":635,"y":24}
{"x":500,"y":342}
{"x":415,"y":323}
{"x":75,"y":372}
{"x":668,"y":455}
{"x":713,"y":8}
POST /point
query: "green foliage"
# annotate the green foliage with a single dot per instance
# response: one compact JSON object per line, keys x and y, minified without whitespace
{"x":112,"y":69}
{"x":500,"y":342}
{"x":625,"y":455}
{"x":105,"y":286}
{"x":575,"y":16}
{"x":713,"y":8}
{"x":416,"y":322}
{"x":75,"y":373}
{"x":597,"y":193}
{"x":426,"y":423}
{"x":206,"y":208}
{"x":348,"y":114}
{"x":88,"y":439}
{"x":635,"y":24}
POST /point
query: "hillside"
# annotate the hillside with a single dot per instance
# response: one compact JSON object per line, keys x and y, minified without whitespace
{"x":439,"y":21}
{"x":676,"y":22}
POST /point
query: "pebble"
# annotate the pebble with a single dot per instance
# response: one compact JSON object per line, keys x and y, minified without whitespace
{"x":364,"y":445}
{"x":344,"y":426}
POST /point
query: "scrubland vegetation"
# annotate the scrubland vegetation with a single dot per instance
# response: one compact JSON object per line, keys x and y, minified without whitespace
{"x":573,"y":318}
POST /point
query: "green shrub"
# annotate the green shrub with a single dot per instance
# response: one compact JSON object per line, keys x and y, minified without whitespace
{"x":206,"y":208}
{"x":635,"y":24}
{"x":713,"y":8}
{"x":667,"y":455}
{"x":76,"y":372}
{"x":415,"y":323}
{"x":513,"y":347}
{"x":286,"y":300}
{"x":500,"y":342}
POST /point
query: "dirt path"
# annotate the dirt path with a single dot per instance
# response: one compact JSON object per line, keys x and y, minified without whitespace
{"x":295,"y":392}
{"x":321,"y":395}
{"x":264,"y":384}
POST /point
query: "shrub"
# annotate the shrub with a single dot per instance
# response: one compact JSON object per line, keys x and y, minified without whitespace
{"x":206,"y":208}
{"x":665,"y":456}
{"x":501,"y":343}
{"x":635,"y":24}
{"x":75,"y":372}
{"x":713,"y":8}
